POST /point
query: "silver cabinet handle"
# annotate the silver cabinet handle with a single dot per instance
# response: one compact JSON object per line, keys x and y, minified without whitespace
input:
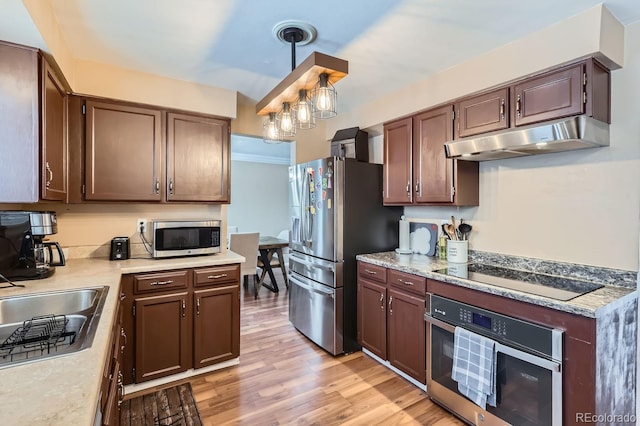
{"x":370,"y":272}
{"x":408,"y":189}
{"x":48,"y":184}
{"x":405,"y":282}
{"x":123,"y":334}
{"x":120,"y":388}
{"x":390,"y":308}
{"x":518,"y":113}
{"x":501,"y":109}
{"x":382,"y":301}
{"x":417,"y":187}
{"x":171,"y":186}
{"x":157,"y":186}
{"x":197,"y":306}
{"x":184,"y":308}
{"x":215,"y":277}
{"x":161,"y":282}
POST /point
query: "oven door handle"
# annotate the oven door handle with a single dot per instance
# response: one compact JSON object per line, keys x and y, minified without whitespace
{"x":507,"y":350}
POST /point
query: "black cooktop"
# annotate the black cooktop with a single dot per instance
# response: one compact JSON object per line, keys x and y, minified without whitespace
{"x":558,"y":288}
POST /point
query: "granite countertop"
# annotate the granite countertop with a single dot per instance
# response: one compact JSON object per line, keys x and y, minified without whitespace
{"x":591,"y":304}
{"x":65,"y":390}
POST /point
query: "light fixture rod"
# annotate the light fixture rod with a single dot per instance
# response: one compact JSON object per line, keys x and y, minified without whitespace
{"x":293,"y":35}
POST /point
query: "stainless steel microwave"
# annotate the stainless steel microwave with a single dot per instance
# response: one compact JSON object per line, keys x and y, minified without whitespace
{"x":175,"y":238}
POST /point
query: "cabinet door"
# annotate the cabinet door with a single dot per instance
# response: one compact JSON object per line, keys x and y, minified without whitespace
{"x":397,"y":162}
{"x":54,"y":137}
{"x":123,"y":153}
{"x":406,"y":331}
{"x":553,"y":95}
{"x":197,"y":158}
{"x":163,"y":325}
{"x":483,"y":113}
{"x":372,"y":317}
{"x":18,"y":124}
{"x":216,"y":325}
{"x":432,"y":170}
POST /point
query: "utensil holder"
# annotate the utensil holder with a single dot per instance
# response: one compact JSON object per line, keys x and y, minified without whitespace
{"x":457,"y":251}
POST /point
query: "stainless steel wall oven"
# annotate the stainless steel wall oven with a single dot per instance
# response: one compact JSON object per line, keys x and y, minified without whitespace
{"x":529,"y":365}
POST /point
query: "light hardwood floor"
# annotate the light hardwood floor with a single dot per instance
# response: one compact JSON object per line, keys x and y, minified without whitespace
{"x":283,"y":378}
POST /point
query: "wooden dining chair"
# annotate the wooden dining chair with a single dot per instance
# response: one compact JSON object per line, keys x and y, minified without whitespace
{"x":246,"y":244}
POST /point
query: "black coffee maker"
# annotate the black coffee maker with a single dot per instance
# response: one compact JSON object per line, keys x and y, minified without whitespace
{"x":24,"y":253}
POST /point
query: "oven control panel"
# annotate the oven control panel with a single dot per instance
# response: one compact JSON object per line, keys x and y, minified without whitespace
{"x":496,"y":325}
{"x":540,"y":339}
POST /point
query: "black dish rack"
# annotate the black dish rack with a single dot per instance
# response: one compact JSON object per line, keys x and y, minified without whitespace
{"x":36,"y":337}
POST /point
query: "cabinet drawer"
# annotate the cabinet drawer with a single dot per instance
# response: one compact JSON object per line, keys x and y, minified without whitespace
{"x":408,"y":282}
{"x":161,"y":281}
{"x":217,"y":275}
{"x":372,"y":272}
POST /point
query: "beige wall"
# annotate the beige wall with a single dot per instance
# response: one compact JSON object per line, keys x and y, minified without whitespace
{"x":87,"y":229}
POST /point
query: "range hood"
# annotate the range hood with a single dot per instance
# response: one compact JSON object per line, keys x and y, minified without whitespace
{"x":566,"y":134}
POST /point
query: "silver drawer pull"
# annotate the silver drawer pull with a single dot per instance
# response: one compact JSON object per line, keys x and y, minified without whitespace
{"x":162,"y":282}
{"x":370,"y":272}
{"x":405,"y":282}
{"x":215,"y":277}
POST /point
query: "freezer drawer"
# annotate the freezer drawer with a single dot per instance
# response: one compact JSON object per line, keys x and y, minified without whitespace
{"x":316,"y":311}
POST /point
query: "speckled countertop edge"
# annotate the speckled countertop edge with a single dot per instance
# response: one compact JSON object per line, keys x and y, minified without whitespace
{"x":65,"y":390}
{"x":587,"y":305}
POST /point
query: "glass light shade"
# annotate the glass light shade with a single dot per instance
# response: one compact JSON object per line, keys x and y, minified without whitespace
{"x":303,"y":111}
{"x":324,"y":98}
{"x":285,"y":120}
{"x":271,"y":129}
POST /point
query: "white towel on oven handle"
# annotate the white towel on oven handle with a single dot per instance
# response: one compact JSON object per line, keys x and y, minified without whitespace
{"x":474,"y":366}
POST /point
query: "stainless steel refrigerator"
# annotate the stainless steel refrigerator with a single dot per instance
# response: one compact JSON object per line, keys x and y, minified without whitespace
{"x":336,"y":213}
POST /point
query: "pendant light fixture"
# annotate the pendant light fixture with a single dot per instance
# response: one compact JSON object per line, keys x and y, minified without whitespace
{"x":285,"y":120}
{"x":293,"y":97}
{"x":271,"y":129}
{"x":303,"y":109}
{"x":324,"y":98}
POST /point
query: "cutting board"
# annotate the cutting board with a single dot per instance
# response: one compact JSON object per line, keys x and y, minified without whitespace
{"x":423,"y":238}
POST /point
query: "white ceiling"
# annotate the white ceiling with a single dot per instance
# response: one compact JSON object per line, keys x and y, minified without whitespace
{"x":229,"y":43}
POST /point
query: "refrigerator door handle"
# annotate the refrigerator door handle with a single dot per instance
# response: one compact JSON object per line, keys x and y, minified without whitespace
{"x":293,"y":257}
{"x":313,"y":288}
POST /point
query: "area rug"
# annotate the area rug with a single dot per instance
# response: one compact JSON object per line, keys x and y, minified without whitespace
{"x":173,"y":406}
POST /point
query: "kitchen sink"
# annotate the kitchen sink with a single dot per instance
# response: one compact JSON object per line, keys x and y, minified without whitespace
{"x":44,"y":325}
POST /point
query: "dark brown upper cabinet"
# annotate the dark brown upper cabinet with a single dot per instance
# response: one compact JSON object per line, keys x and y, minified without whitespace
{"x":581,"y":88}
{"x":482,"y":113}
{"x":397,"y":167}
{"x":53,"y":173}
{"x":32,"y":127}
{"x":197,"y":158}
{"x":416,"y":170}
{"x":123,"y":153}
{"x":131,"y":152}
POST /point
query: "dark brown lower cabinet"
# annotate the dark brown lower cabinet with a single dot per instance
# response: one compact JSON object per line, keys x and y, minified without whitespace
{"x":406,"y":333}
{"x":111,"y":391}
{"x":372,"y":317}
{"x":162,"y":335}
{"x":180,"y":319}
{"x":216,"y":326}
{"x":391,"y":318}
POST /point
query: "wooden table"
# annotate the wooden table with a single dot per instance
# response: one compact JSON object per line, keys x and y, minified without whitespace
{"x":267,"y":247}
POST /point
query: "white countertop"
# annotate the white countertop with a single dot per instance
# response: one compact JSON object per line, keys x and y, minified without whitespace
{"x":65,"y":390}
